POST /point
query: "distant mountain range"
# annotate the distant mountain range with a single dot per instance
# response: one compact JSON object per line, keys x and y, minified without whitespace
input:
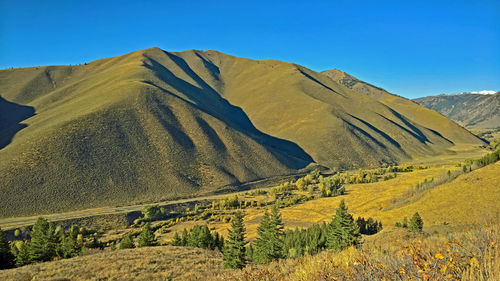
{"x":153,"y":124}
{"x":476,"y":110}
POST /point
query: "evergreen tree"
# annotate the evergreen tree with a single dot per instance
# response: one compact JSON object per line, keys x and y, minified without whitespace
{"x":343,"y":231}
{"x":260,"y":244}
{"x":69,"y":247}
{"x":23,"y":253}
{"x":43,"y":241}
{"x":276,"y":227}
{"x":6,"y":257}
{"x":269,"y":244}
{"x":205,"y":238}
{"x":184,"y":237}
{"x":234,"y":250}
{"x":416,"y":222}
{"x":177,"y":241}
{"x":405,"y":222}
{"x":193,"y":239}
{"x":147,"y":237}
{"x":219,"y":241}
{"x":127,"y":242}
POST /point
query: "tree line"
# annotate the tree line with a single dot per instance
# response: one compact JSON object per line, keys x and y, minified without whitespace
{"x":274,"y":243}
{"x":199,"y":237}
{"x":46,"y":242}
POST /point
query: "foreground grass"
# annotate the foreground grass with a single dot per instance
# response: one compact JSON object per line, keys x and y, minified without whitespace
{"x":150,"y":263}
{"x":396,"y":254}
{"x":474,"y":255}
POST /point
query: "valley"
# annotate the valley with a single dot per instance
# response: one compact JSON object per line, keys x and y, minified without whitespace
{"x":447,"y":208}
{"x":142,"y":149}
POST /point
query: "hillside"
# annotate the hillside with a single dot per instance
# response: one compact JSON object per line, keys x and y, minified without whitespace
{"x":473,"y":111}
{"x":151,"y":125}
{"x":419,"y":114}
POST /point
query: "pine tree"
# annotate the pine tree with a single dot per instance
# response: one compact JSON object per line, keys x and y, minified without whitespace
{"x":43,"y":241}
{"x":176,"y":240}
{"x":218,"y":241}
{"x":68,"y":246}
{"x":234,"y":250}
{"x":205,"y":238}
{"x":147,"y":237}
{"x":276,"y":227}
{"x":194,"y":237}
{"x":416,"y":222}
{"x":23,"y":253}
{"x":260,"y":248}
{"x":343,"y":230}
{"x":405,"y":222}
{"x":185,"y":237}
{"x":6,"y":257}
{"x":269,"y":243}
{"x":127,"y":242}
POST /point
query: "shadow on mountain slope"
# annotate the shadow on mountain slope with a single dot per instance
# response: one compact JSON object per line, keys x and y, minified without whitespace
{"x":11,"y":116}
{"x":208,"y":100}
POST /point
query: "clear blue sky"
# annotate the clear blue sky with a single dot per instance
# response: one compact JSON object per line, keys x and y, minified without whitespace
{"x":411,"y":49}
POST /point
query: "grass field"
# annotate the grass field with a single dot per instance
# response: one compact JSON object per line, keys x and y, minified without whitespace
{"x":158,"y":263}
{"x":451,"y":205}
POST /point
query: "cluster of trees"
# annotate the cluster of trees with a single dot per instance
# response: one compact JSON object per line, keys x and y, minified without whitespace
{"x":229,"y":203}
{"x":490,"y":158}
{"x":7,"y":259}
{"x":45,"y":243}
{"x":330,"y":186}
{"x":150,"y":213}
{"x":368,"y":226}
{"x":274,"y":243}
{"x":146,"y":238}
{"x":485,"y":160}
{"x":199,"y":237}
{"x":310,"y":240}
{"x":314,"y":239}
{"x":416,"y":223}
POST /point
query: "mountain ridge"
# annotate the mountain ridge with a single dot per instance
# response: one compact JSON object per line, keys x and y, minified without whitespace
{"x":153,"y":124}
{"x":471,"y":110}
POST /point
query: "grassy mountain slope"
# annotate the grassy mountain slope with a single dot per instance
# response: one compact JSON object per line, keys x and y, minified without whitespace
{"x":411,"y":110}
{"x":474,"y":111}
{"x":103,"y":135}
{"x":152,"y":124}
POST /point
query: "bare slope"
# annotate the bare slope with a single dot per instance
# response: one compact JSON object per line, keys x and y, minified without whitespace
{"x":152,"y":124}
{"x":474,"y":111}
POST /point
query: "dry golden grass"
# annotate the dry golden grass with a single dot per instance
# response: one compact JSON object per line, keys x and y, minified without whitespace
{"x":469,"y":199}
{"x":474,"y":255}
{"x":150,"y":263}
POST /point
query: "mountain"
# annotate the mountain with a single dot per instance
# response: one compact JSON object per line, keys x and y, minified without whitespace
{"x":152,"y":124}
{"x":479,"y":110}
{"x":413,"y":111}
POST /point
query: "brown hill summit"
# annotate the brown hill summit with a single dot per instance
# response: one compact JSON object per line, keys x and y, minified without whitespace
{"x":153,"y":124}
